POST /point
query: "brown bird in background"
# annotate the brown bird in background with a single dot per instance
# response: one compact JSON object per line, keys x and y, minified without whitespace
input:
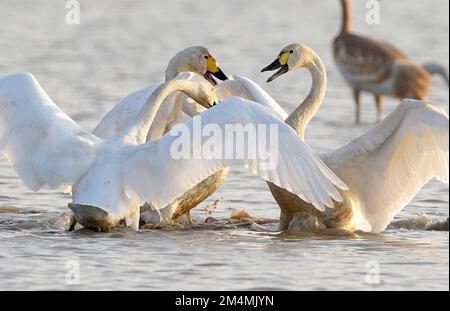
{"x":379,"y":68}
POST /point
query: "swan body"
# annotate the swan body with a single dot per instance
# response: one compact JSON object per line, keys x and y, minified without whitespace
{"x":111,"y":178}
{"x":235,"y":86}
{"x":379,"y":68}
{"x":384,"y":168}
{"x":184,"y":65}
{"x":128,"y":109}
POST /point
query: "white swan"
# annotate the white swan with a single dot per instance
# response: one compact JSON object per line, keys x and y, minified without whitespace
{"x":179,"y":210}
{"x":176,"y":109}
{"x":186,"y":64}
{"x":111,"y":178}
{"x":196,"y":59}
{"x":384,"y":168}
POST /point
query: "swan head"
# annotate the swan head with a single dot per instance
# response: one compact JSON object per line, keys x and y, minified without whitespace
{"x":290,"y":58}
{"x":203,"y":93}
{"x":195,"y":59}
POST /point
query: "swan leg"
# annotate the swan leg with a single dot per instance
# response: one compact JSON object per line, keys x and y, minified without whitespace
{"x":357,"y":97}
{"x":380,"y":103}
{"x":164,"y":216}
{"x":73,"y":222}
{"x":149,"y":215}
{"x":285,"y":219}
{"x":306,"y":222}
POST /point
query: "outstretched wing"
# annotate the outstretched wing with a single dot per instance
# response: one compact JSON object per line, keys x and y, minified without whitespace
{"x":157,"y":172}
{"x":45,"y":145}
{"x":386,"y":167}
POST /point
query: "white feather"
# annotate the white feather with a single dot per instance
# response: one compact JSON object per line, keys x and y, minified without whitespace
{"x":387,"y":166}
{"x":48,"y":148}
{"x":45,"y":145}
{"x":126,"y":111}
{"x":152,"y":174}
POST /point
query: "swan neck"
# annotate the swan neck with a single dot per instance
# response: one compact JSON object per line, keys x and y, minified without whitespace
{"x":149,"y":110}
{"x":178,"y":64}
{"x":300,"y":118}
{"x":346,"y":16}
{"x":172,"y":72}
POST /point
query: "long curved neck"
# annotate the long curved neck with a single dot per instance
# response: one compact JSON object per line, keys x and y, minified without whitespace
{"x":137,"y":132}
{"x":178,"y":64}
{"x":301,"y":116}
{"x":173,"y":70}
{"x":346,"y":16}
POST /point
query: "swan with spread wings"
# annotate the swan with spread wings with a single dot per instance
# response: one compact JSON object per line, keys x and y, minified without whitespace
{"x":112,"y":178}
{"x":383,"y":168}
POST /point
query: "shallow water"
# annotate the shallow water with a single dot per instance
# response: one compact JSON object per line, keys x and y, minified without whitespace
{"x":121,"y":46}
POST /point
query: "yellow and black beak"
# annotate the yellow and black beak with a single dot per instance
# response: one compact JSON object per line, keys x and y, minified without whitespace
{"x":214,"y":70}
{"x":280,"y":63}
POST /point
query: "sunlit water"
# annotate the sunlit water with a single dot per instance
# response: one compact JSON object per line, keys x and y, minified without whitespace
{"x":121,"y":46}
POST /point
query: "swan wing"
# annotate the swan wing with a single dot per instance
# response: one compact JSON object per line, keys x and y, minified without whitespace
{"x":155,"y":173}
{"x":45,"y":145}
{"x":126,"y":111}
{"x":387,"y":166}
{"x":243,"y":87}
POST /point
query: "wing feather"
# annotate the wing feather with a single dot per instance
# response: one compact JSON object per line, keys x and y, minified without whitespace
{"x":386,"y":167}
{"x":45,"y":145}
{"x":152,"y":173}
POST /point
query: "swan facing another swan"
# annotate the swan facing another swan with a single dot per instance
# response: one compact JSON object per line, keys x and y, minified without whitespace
{"x":384,"y":168}
{"x":196,"y":59}
{"x":176,"y":109}
{"x":379,"y":68}
{"x":112,"y":178}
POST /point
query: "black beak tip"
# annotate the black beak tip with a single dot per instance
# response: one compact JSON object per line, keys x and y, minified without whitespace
{"x":220,"y":75}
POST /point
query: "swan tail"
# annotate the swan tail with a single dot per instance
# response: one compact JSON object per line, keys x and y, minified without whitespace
{"x":437,"y":69}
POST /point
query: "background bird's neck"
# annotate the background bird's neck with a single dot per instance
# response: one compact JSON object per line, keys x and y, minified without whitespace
{"x":301,"y":116}
{"x":346,"y":16}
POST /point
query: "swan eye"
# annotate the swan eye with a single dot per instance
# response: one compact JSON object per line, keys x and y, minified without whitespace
{"x":291,"y":51}
{"x":206,"y":57}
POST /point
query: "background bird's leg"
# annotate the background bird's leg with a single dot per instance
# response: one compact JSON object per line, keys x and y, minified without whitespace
{"x":357,"y":96}
{"x":379,"y":102}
